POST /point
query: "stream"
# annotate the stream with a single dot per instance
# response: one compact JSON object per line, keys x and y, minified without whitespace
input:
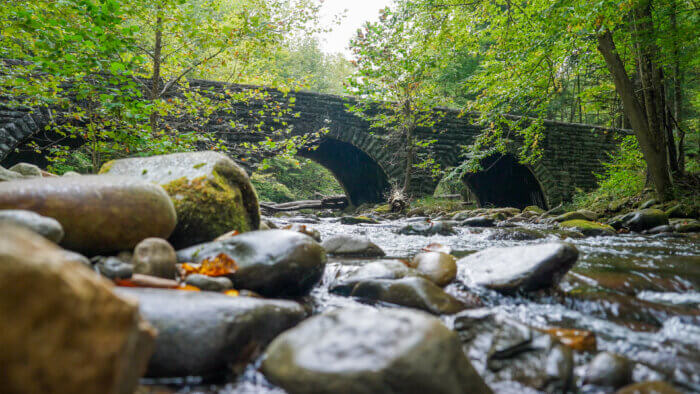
{"x":639,"y":295}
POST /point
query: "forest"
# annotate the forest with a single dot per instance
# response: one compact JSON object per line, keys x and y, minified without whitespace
{"x":472,"y":196}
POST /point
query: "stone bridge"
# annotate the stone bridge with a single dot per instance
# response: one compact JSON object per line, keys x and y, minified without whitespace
{"x":363,"y":160}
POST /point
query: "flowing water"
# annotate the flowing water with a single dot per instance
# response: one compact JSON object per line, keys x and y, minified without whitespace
{"x":640,"y":295}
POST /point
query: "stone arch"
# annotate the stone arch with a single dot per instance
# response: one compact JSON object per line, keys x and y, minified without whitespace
{"x":507,"y":182}
{"x":362,"y":178}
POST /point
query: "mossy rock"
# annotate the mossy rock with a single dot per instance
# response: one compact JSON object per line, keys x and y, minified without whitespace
{"x":357,"y":220}
{"x":211,"y":193}
{"x":534,"y":209}
{"x":587,"y":227}
{"x":581,"y":214}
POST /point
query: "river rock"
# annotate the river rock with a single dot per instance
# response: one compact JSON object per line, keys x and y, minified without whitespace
{"x":26,"y":169}
{"x":503,"y":350}
{"x":609,"y":370}
{"x":581,"y":214}
{"x":113,"y":267}
{"x":588,"y":228}
{"x":440,"y":268}
{"x":63,"y":328}
{"x":366,"y":350}
{"x":534,"y":209}
{"x":304,"y":229}
{"x":479,"y":221}
{"x":211,"y":193}
{"x":271,"y":262}
{"x":412,"y":292}
{"x":519,"y":234}
{"x":687,"y":226}
{"x":383,"y":269}
{"x":518,"y":268}
{"x":49,"y":228}
{"x":357,"y":220}
{"x":651,"y":387}
{"x":204,"y":333}
{"x":98,"y":213}
{"x":7,"y":175}
{"x":351,"y":245}
{"x":681,"y":211}
{"x":209,"y":283}
{"x":427,"y":228}
{"x":641,"y":220}
{"x":155,"y":256}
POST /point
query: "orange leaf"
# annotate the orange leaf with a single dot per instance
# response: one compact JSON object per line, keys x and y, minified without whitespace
{"x":219,"y":265}
{"x":580,"y":340}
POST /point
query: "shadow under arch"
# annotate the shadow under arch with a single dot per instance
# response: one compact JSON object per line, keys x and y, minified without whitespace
{"x":363,"y":180}
{"x":505,"y":182}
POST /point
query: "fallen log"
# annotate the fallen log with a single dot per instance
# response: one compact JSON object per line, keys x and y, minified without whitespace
{"x":332,"y":202}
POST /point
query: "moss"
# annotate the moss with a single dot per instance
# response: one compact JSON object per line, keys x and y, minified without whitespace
{"x":144,"y":172}
{"x":534,"y":209}
{"x":198,"y":166}
{"x":386,"y":208}
{"x":587,"y":227}
{"x":106,"y":167}
{"x":269,"y":189}
{"x":206,"y":207}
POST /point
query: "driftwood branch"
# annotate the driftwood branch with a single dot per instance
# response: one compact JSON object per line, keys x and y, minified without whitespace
{"x":331,"y":202}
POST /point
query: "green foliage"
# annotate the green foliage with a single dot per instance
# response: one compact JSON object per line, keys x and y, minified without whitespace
{"x":288,"y":179}
{"x":431,"y":205}
{"x":624,"y":176}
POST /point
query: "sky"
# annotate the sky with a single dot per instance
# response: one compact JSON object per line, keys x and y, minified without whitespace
{"x":358,"y":12}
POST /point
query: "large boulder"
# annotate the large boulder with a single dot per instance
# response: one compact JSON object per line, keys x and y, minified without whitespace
{"x":205,"y":333}
{"x":211,"y":193}
{"x":587,"y":227}
{"x":350,"y":245}
{"x":271,"y":262}
{"x":412,"y":292}
{"x":371,"y":351}
{"x":98,"y":213}
{"x":644,"y":219}
{"x":63,"y":328}
{"x":427,"y":228}
{"x":49,"y":228}
{"x":518,"y":268}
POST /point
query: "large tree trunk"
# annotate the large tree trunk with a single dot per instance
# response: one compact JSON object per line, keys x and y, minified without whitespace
{"x":409,"y":161}
{"x":677,"y":94}
{"x":646,"y":118}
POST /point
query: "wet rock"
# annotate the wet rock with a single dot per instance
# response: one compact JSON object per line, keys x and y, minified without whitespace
{"x":76,"y":258}
{"x":652,"y":387}
{"x":99,"y":214}
{"x":412,"y":292}
{"x":687,"y":226}
{"x":209,"y":283}
{"x":371,"y":351}
{"x":271,"y":262}
{"x":588,"y":228}
{"x":617,"y":205}
{"x":519,"y":268}
{"x":302,"y":228}
{"x":609,"y":370}
{"x":644,"y":219}
{"x":520,"y":234}
{"x":681,"y":211}
{"x":71,"y":173}
{"x":26,"y":169}
{"x":49,"y":228}
{"x":211,"y":193}
{"x":113,"y":268}
{"x":648,"y":203}
{"x":350,"y":245}
{"x":427,"y":228}
{"x":155,"y":256}
{"x":357,"y":220}
{"x":63,"y":328}
{"x":534,"y":209}
{"x":659,"y":230}
{"x":383,"y":269}
{"x":440,"y":268}
{"x":506,"y":351}
{"x":576,"y":215}
{"x":204,"y":333}
{"x":479,"y":221}
{"x":7,"y":175}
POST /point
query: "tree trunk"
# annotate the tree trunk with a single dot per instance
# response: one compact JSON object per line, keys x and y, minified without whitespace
{"x":677,"y":94}
{"x":643,"y":117}
{"x":155,"y":78}
{"x":409,"y":161}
